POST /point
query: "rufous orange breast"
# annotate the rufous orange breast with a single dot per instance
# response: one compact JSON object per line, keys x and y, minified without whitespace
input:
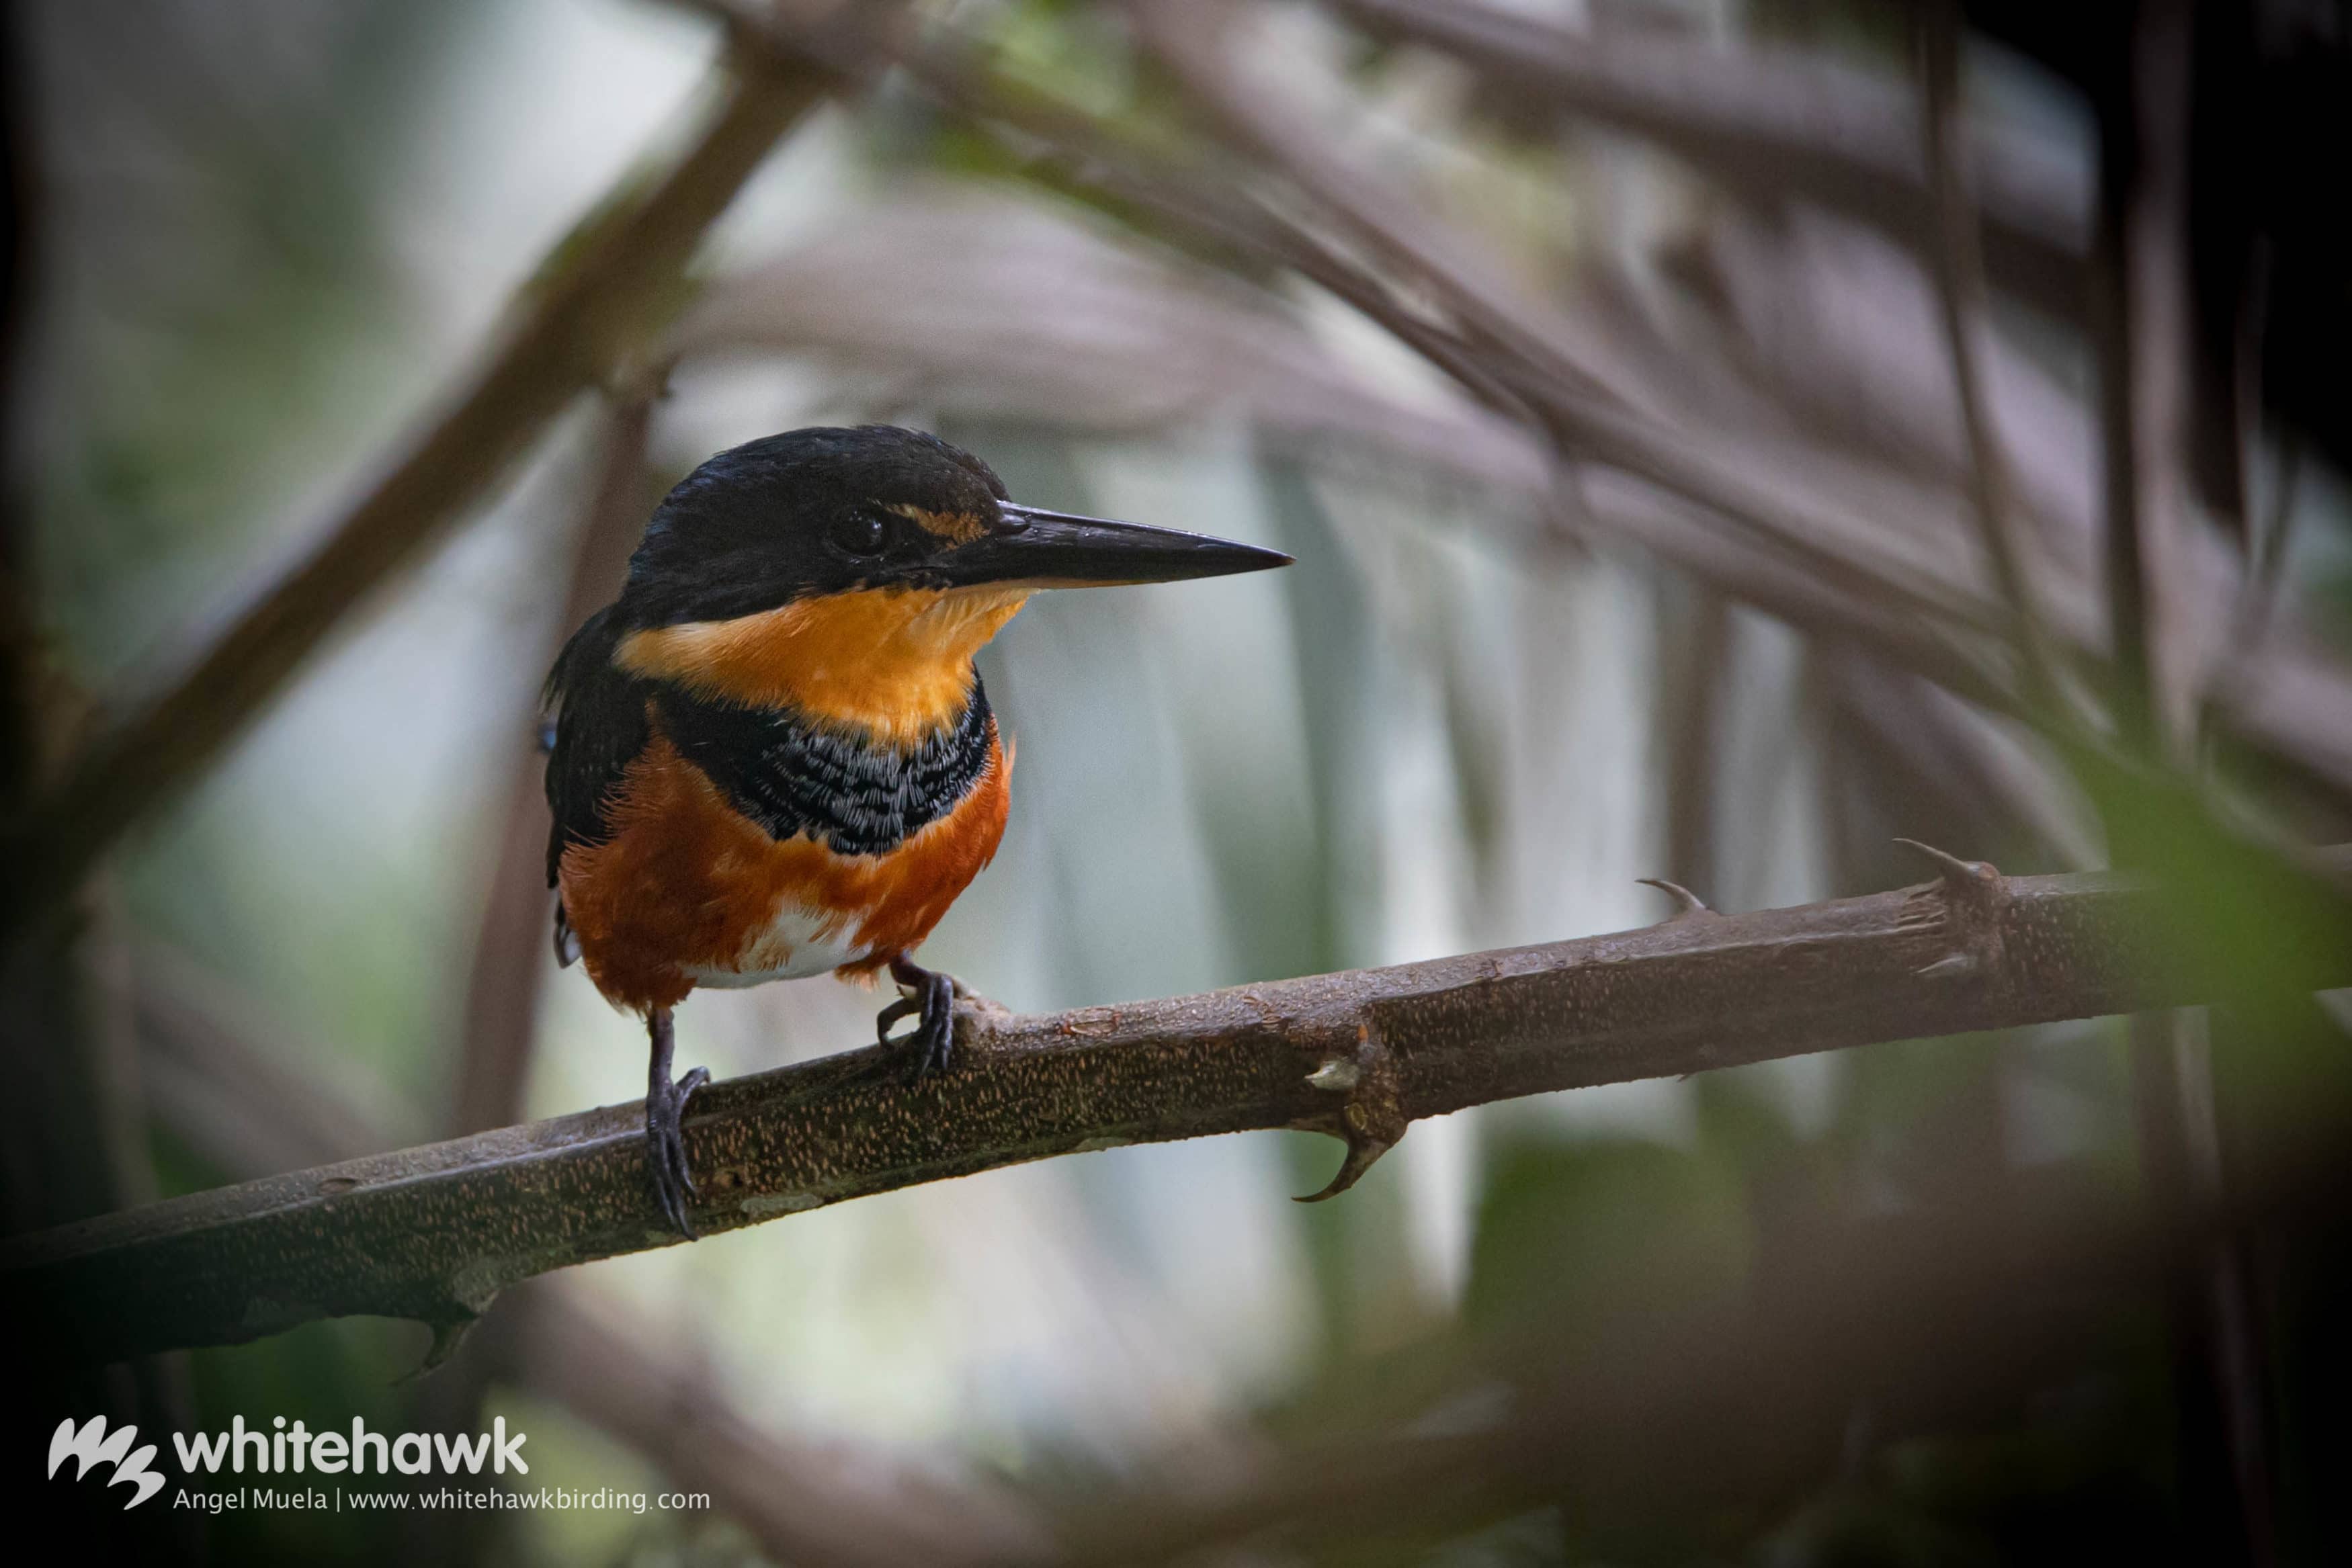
{"x":813,"y":789}
{"x":688,"y":890}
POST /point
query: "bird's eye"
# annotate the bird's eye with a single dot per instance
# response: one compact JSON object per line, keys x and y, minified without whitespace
{"x":860,"y":533}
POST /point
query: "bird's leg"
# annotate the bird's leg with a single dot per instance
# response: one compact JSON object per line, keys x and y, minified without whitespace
{"x":665,"y":1138}
{"x":932,"y":994}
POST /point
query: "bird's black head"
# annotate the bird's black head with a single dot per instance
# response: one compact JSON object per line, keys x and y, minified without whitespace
{"x":813,"y":513}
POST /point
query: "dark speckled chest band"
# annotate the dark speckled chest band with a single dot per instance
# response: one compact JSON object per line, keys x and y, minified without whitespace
{"x":793,"y":776}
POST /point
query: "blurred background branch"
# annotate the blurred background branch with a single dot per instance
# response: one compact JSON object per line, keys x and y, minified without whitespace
{"x":590,"y":310}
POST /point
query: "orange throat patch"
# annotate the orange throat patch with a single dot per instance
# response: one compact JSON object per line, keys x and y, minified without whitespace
{"x":893,"y":661}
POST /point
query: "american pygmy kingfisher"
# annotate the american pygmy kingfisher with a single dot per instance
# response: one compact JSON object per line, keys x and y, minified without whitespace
{"x":773,"y":754}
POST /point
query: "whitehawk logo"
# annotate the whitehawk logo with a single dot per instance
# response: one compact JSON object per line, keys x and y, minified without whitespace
{"x":90,"y":1445}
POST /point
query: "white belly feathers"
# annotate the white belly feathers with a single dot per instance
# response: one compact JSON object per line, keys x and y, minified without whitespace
{"x":796,"y":942}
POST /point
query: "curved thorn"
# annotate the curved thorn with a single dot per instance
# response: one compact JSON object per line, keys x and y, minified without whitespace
{"x":1686,"y":902}
{"x":1337,"y":1076}
{"x":1953,"y":867}
{"x":448,"y":1335}
{"x":1361,"y":1153}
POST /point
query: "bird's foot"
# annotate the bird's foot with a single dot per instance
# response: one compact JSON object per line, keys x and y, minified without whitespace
{"x":930,"y":995}
{"x":666,"y":1149}
{"x":665,"y":1129}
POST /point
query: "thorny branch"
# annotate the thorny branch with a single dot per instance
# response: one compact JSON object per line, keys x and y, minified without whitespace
{"x":435,"y":1232}
{"x":241,"y":1102}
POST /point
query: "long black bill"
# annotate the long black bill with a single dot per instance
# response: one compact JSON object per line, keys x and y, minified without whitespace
{"x":1056,"y":549}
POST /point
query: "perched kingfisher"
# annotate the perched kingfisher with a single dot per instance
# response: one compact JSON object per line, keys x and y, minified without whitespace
{"x":773,"y":754}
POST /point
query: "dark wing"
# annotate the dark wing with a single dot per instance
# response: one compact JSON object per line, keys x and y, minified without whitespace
{"x":600,"y":729}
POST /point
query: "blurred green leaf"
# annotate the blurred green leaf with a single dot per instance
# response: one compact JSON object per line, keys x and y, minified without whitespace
{"x":1580,"y":1236}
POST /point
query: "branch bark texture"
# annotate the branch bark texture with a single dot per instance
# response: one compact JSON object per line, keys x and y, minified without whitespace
{"x":435,"y":1232}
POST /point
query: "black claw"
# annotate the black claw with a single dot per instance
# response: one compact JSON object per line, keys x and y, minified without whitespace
{"x":932,"y":1041}
{"x":665,"y":1161}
